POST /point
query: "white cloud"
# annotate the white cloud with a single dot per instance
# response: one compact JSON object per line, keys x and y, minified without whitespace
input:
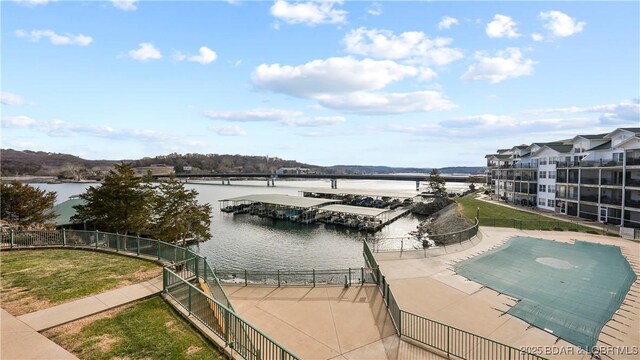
{"x":125,"y":5}
{"x":231,"y":130}
{"x":315,"y":121}
{"x":8,"y":98}
{"x":561,"y":24}
{"x":145,"y":52}
{"x":480,"y":121}
{"x":447,"y":22}
{"x":502,"y":26}
{"x":284,"y":117}
{"x":179,"y":56}
{"x":537,"y":37}
{"x":388,"y":103}
{"x":18,"y":121}
{"x":375,"y":9}
{"x":206,"y":56}
{"x":330,"y":76}
{"x":414,"y":46}
{"x":626,"y":111}
{"x":54,"y":38}
{"x":427,"y":74}
{"x":32,"y":3}
{"x":309,"y":13}
{"x":252,"y":115}
{"x":506,"y":64}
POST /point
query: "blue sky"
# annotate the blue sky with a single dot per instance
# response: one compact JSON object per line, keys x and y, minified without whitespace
{"x":424,"y":84}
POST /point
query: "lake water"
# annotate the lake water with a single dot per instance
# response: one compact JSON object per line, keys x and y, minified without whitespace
{"x":251,"y":242}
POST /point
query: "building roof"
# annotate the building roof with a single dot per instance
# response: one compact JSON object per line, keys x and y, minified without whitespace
{"x":64,"y":211}
{"x":285,"y":200}
{"x":372,"y":193}
{"x":592,"y":137}
{"x":503,"y":157}
{"x":635,"y":130}
{"x":605,"y":146}
{"x":560,"y":148}
{"x":355,"y":210}
{"x":521,"y":146}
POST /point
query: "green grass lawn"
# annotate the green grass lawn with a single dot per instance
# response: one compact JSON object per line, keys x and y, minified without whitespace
{"x":149,"y":329}
{"x":34,"y":279}
{"x":502,"y":216}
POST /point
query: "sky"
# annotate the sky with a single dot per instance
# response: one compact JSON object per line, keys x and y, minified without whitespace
{"x":411,"y":83}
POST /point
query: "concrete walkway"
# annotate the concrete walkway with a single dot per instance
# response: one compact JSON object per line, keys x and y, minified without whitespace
{"x":61,"y":314}
{"x":429,"y":287}
{"x":20,"y":341}
{"x":325,"y":322}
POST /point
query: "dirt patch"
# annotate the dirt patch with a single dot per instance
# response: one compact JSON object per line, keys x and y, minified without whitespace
{"x":17,"y":302}
{"x":193,"y":349}
{"x":75,"y":327}
{"x":139,"y":276}
{"x":106,"y":342}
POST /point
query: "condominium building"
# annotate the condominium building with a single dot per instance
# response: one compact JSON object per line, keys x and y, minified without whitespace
{"x":589,"y":176}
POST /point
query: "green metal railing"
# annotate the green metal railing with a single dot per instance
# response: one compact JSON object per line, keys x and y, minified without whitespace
{"x":551,"y":225}
{"x":177,"y":256}
{"x":281,"y":278}
{"x":457,"y":236}
{"x":241,"y":336}
{"x":448,"y":339}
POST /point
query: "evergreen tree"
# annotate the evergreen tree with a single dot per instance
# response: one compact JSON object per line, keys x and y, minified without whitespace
{"x":25,"y":206}
{"x":121,"y":204}
{"x":437,"y":183}
{"x":178,"y":216}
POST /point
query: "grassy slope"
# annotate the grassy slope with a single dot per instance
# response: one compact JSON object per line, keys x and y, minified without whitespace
{"x":528,"y":221}
{"x":47,"y":277}
{"x":149,"y":329}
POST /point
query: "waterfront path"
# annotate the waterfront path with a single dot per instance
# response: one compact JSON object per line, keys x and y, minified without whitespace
{"x":325,"y":322}
{"x":428,"y":286}
{"x":20,"y":341}
{"x":61,"y":314}
{"x":20,"y":335}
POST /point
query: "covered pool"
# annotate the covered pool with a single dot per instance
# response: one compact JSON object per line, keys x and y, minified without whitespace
{"x":570,"y":290}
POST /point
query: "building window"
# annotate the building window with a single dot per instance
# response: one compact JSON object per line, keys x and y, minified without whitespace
{"x":617,"y":156}
{"x":542,"y":188}
{"x":552,"y":174}
{"x":543,"y":161}
{"x":552,"y":189}
{"x":550,"y":203}
{"x":542,"y":202}
{"x":543,"y":175}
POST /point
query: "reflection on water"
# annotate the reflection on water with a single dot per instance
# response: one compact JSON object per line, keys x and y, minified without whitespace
{"x":245,"y":241}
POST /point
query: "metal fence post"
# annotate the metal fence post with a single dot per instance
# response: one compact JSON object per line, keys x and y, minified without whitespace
{"x":164,"y":280}
{"x":245,"y":278}
{"x":226,"y":326}
{"x":204,"y":265}
{"x":197,"y":262}
{"x":349,"y":276}
{"x":387,"y":295}
{"x":314,"y":277}
{"x":97,"y":236}
{"x":158,"y":245}
{"x":117,"y":242}
{"x":189,"y":298}
{"x":64,"y":237}
{"x":13,"y":239}
{"x":138,"y":245}
{"x":278,"y":277}
{"x":362,"y":275}
{"x":448,"y":335}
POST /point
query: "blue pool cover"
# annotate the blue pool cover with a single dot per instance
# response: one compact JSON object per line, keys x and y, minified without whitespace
{"x":571,"y":290}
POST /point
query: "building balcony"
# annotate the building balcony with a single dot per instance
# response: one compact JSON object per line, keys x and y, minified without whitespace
{"x":567,"y":196}
{"x":611,"y":182}
{"x":590,"y":181}
{"x":600,"y":163}
{"x":591,"y":198}
{"x":632,"y":203}
{"x":567,"y":164}
{"x":632,"y":182}
{"x":573,"y":180}
{"x":611,"y":200}
{"x":633,"y":161}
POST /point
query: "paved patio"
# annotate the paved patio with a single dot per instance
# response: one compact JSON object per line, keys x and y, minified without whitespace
{"x":325,"y":322}
{"x":429,"y":287}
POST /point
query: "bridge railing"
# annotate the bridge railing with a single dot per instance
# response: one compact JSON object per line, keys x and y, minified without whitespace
{"x":454,"y":342}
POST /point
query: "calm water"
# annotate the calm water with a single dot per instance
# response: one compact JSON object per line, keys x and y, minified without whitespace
{"x":246,"y":241}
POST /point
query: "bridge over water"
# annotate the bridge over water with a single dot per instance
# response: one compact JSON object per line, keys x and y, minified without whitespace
{"x":270,"y":177}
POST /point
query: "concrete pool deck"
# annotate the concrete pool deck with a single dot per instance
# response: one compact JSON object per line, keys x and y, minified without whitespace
{"x":429,"y":287}
{"x":325,"y":322}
